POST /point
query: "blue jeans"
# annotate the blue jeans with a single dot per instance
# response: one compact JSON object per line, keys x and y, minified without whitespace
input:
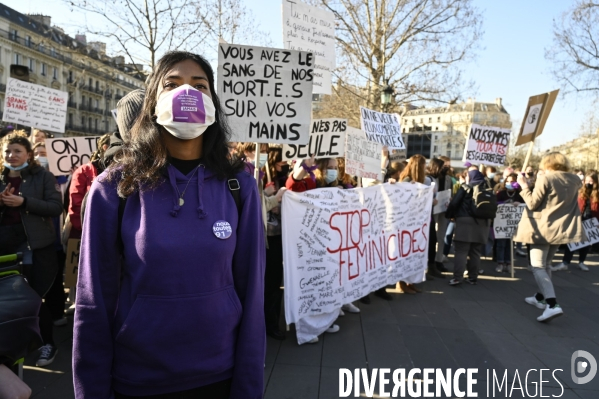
{"x":503,"y":250}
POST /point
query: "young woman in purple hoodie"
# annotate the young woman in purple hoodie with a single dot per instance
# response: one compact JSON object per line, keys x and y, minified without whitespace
{"x":172,"y":307}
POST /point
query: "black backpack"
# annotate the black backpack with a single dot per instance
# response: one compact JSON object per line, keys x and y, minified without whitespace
{"x":484,"y":202}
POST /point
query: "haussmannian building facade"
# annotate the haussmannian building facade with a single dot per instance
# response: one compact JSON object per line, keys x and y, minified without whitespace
{"x":442,"y":131}
{"x":95,"y":82}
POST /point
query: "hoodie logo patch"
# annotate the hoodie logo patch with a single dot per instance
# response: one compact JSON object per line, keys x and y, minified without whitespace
{"x":222,"y":229}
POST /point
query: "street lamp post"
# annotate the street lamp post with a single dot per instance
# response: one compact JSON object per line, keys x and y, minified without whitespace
{"x":386,"y":95}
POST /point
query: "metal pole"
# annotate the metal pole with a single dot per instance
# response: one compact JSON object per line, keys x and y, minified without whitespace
{"x":512,"y":256}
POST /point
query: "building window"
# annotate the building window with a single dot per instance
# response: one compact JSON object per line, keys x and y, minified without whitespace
{"x":91,"y":82}
{"x":89,"y":124}
{"x":421,"y":120}
{"x":96,"y":124}
{"x":405,"y":121}
{"x":28,"y":41}
{"x":31,"y":65}
{"x":52,"y":51}
{"x":448,"y":154}
{"x":41,"y":47}
{"x":71,"y":120}
{"x":438,"y":119}
{"x":70,"y":77}
{"x":83,"y":122}
{"x":435,"y":149}
{"x":13,"y":34}
{"x":83,"y":100}
{"x":55,"y":73}
{"x":43,"y":69}
{"x":18,"y":59}
{"x":430,"y":120}
{"x":436,"y":127}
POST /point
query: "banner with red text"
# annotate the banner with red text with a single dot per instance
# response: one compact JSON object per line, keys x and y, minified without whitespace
{"x":339,"y":245}
{"x":487,"y":145}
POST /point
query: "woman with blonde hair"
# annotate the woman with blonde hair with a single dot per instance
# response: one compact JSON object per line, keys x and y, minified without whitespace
{"x":551,"y":218}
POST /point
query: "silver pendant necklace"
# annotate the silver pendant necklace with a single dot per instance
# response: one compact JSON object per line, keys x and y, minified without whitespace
{"x":182,"y":194}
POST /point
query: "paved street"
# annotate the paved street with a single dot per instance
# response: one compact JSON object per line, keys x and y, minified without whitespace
{"x":487,"y":326}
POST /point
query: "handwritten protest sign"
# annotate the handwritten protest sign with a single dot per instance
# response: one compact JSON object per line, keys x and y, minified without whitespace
{"x":591,"y":229}
{"x":35,"y":105}
{"x":339,"y":245}
{"x":266,"y":93}
{"x":72,"y":263}
{"x":398,"y":155}
{"x":537,"y":111}
{"x":327,"y":140}
{"x":68,"y":152}
{"x":312,"y":29}
{"x":382,"y":128}
{"x":507,"y":219}
{"x":487,"y":145}
{"x":362,"y":157}
{"x":443,"y":198}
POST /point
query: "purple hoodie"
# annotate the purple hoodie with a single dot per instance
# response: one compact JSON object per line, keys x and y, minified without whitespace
{"x":188,"y":309}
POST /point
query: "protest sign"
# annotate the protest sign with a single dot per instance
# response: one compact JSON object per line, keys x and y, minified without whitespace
{"x":266,"y":93}
{"x":507,"y":219}
{"x":362,"y":157}
{"x":312,"y":29}
{"x":537,"y":112}
{"x":35,"y":105}
{"x":68,"y":152}
{"x":487,"y":145}
{"x":591,"y":229}
{"x":382,"y":128}
{"x":398,"y":155}
{"x":72,"y":263}
{"x":443,"y":199}
{"x":327,"y":140}
{"x":339,"y":245}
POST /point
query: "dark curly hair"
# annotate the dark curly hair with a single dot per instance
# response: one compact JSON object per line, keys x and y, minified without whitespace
{"x":144,"y":158}
{"x":17,"y":138}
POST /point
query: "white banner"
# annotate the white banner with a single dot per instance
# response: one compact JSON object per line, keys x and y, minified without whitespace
{"x":591,"y":229}
{"x":339,"y":245}
{"x":382,"y":128}
{"x":266,"y":93}
{"x":443,"y":199}
{"x":507,"y":219}
{"x":35,"y":105}
{"x":68,"y":152}
{"x":327,"y":140}
{"x":308,"y":28}
{"x":487,"y":145}
{"x":362,"y":157}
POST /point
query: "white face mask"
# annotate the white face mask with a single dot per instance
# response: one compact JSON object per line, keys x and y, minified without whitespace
{"x":331,"y":176}
{"x":262,"y":160}
{"x":43,"y":161}
{"x":185,"y":112}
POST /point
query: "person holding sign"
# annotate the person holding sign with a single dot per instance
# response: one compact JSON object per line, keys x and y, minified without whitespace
{"x":28,"y":202}
{"x":551,"y":218}
{"x":170,"y":292}
{"x":508,"y":192}
{"x":588,"y":202}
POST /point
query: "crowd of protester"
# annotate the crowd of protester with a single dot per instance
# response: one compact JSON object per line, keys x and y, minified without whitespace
{"x":152,"y":275}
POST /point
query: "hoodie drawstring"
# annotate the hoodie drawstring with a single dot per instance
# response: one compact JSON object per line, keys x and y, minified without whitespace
{"x":201,"y":213}
{"x":173,"y":180}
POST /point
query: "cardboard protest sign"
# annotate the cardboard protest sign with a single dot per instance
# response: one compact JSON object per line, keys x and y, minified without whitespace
{"x":35,"y":105}
{"x":537,"y":112}
{"x":72,"y":263}
{"x":266,"y":93}
{"x":362,"y":157}
{"x":443,"y":199}
{"x":507,"y":219}
{"x":591,"y":229}
{"x":68,"y":152}
{"x":382,"y":128}
{"x":339,"y":245}
{"x":398,"y":155}
{"x":487,"y":145}
{"x":327,"y":140}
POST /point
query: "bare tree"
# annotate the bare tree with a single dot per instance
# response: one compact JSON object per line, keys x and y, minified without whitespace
{"x":231,"y":21}
{"x":415,"y":45}
{"x":144,"y":29}
{"x":575,"y":50}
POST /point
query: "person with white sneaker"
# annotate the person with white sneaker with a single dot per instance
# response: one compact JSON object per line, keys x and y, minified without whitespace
{"x":588,"y":202}
{"x":551,"y":218}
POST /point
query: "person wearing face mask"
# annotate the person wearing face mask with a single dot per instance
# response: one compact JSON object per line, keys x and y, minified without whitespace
{"x":551,"y":218}
{"x":507,"y":193}
{"x":170,"y":295}
{"x":28,"y":202}
{"x":579,"y":173}
{"x":588,"y":202}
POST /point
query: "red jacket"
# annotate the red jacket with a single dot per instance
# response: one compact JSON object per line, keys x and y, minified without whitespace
{"x":594,"y":207}
{"x":299,"y":186}
{"x":81,"y":182}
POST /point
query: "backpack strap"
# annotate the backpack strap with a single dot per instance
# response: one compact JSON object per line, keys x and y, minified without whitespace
{"x":235,"y":189}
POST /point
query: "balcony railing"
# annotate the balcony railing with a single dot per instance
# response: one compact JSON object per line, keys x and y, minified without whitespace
{"x":72,"y":104}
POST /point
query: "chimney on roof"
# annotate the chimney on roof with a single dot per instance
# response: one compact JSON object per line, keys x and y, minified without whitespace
{"x":470,"y":100}
{"x":81,"y":39}
{"x":99,"y":47}
{"x":498,"y":101}
{"x":43,"y":19}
